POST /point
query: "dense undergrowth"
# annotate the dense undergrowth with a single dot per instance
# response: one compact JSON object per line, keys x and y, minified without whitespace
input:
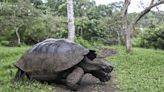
{"x":139,"y":71}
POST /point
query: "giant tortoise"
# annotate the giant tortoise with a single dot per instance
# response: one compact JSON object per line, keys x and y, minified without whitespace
{"x":61,"y":61}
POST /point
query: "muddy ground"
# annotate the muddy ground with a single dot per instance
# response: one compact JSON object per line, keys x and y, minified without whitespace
{"x":109,"y":86}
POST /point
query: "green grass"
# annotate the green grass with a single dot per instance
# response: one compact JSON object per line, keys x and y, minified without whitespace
{"x":8,"y":56}
{"x":139,"y":71}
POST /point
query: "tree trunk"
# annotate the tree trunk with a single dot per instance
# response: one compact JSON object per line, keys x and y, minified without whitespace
{"x":18,"y":37}
{"x":128,"y":41}
{"x":128,"y":35}
{"x":70,"y":16}
{"x":128,"y":28}
{"x":118,"y":37}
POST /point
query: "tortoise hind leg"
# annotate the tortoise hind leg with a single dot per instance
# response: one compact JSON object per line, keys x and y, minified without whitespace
{"x":19,"y":75}
{"x":28,"y":76}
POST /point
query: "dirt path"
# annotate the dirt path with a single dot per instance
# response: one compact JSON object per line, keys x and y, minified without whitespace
{"x":109,"y":86}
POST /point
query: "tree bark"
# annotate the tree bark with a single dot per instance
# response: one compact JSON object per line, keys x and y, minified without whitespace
{"x":70,"y":17}
{"x":125,"y":25}
{"x":18,"y":37}
{"x":118,"y":37}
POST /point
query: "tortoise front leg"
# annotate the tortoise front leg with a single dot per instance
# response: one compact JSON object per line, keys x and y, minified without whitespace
{"x":19,"y":75}
{"x":74,"y":78}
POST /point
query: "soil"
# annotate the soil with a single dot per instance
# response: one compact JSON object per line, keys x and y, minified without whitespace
{"x":106,"y":52}
{"x":103,"y":87}
{"x":94,"y":85}
{"x":99,"y":87}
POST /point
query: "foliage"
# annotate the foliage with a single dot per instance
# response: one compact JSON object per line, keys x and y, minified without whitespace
{"x":5,"y":43}
{"x":45,"y":27}
{"x":33,"y":26}
{"x":139,"y":71}
{"x":151,"y":37}
{"x":89,"y":44}
{"x":102,"y":30}
{"x":38,"y":21}
{"x":83,"y":42}
{"x":15,"y":16}
{"x":81,"y":8}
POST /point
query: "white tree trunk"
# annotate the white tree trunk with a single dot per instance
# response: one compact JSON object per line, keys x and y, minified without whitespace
{"x":126,"y":27}
{"x":128,"y":38}
{"x":70,"y":17}
{"x":118,"y":36}
{"x":18,"y":37}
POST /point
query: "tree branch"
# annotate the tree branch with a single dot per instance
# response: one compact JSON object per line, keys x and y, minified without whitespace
{"x":125,"y":26}
{"x":146,"y":10}
{"x":125,"y":7}
{"x":151,"y":3}
{"x":124,"y":14}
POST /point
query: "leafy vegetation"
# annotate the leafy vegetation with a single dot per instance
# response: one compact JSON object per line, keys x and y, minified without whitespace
{"x":153,"y":37}
{"x":35,"y":21}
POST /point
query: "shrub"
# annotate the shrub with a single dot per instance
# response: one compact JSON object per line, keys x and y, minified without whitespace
{"x":83,"y":42}
{"x":153,"y":38}
{"x":5,"y":43}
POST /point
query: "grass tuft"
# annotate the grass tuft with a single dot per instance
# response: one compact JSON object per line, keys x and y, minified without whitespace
{"x":9,"y":56}
{"x":139,"y":71}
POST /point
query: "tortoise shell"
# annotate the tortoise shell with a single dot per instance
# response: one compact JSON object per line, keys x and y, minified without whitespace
{"x":50,"y":56}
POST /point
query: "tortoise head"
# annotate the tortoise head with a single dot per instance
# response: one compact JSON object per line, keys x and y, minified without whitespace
{"x":97,"y":67}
